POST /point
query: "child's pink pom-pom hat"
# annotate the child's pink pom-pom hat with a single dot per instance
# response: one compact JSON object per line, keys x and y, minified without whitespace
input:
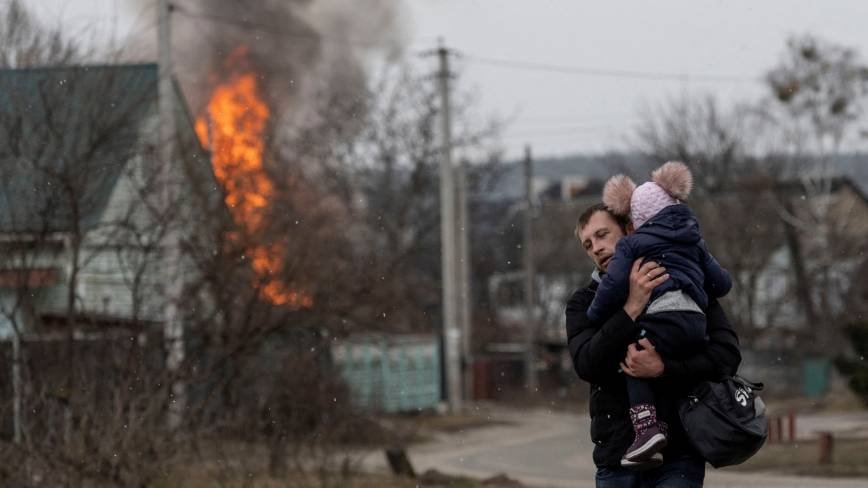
{"x":669,"y":185}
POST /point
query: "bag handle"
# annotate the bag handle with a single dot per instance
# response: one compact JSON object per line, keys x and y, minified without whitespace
{"x":756,"y":386}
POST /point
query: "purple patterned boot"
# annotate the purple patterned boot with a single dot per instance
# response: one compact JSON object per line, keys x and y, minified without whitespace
{"x":650,"y":438}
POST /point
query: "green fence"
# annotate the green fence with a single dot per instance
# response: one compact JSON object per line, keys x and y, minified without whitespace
{"x":391,"y":373}
{"x":816,"y":373}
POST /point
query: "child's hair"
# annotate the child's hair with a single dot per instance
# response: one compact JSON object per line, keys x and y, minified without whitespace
{"x":670,"y":184}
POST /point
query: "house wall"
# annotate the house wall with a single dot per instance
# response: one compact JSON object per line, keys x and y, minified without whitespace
{"x":852,"y":211}
{"x":122,"y":267}
{"x":14,"y":300}
{"x":107,"y":285}
{"x":506,"y":293}
{"x":51,"y":298}
{"x":104,"y":287}
{"x":108,"y":281}
{"x":7,"y":302}
{"x":122,"y":271}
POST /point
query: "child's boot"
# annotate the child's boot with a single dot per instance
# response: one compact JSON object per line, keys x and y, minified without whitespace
{"x":650,"y":438}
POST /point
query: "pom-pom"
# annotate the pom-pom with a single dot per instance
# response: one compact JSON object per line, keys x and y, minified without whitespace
{"x":675,"y":178}
{"x":617,"y":194}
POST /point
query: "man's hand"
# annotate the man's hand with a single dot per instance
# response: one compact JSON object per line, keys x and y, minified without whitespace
{"x":643,"y":278}
{"x":642,"y":363}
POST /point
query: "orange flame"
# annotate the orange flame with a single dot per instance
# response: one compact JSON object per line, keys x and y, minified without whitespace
{"x":233,"y":127}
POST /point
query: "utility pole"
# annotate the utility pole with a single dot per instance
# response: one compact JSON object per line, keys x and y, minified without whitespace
{"x":529,"y":275}
{"x":16,"y":385}
{"x":451,"y":331}
{"x":464,"y":308}
{"x":173,"y":328}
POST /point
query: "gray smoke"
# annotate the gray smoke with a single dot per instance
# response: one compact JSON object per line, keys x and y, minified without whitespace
{"x":293,"y":44}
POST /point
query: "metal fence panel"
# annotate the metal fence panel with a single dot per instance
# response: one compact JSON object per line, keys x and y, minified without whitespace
{"x":391,"y":373}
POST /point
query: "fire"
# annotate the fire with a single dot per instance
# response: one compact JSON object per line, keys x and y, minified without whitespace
{"x":238,"y":119}
{"x":233,"y":127}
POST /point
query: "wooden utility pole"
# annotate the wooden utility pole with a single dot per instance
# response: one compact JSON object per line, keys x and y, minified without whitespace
{"x":16,"y":385}
{"x":529,"y":276}
{"x":465,"y":297}
{"x":173,"y":328}
{"x":448,"y":244}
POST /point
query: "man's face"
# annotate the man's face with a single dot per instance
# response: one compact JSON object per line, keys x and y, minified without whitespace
{"x":599,"y":237}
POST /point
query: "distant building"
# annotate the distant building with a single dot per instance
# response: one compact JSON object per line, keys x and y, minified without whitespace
{"x":829,"y":228}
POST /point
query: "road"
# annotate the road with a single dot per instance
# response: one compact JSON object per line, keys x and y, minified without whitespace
{"x":552,"y":449}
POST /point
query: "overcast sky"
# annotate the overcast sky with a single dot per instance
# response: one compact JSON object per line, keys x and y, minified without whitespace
{"x":564,"y":113}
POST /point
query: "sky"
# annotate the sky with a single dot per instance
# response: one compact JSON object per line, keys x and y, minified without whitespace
{"x":518,"y":57}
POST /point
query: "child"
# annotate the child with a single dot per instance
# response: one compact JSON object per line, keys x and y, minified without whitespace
{"x":667,"y":232}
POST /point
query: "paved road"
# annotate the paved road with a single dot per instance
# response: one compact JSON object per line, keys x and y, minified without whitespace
{"x":552,"y":449}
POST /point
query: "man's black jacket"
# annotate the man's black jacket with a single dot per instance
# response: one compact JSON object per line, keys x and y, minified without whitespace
{"x":597,"y":352}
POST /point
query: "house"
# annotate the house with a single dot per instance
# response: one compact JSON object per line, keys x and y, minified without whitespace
{"x":826,"y":229}
{"x":560,"y":267}
{"x":813,"y":283}
{"x":82,"y":192}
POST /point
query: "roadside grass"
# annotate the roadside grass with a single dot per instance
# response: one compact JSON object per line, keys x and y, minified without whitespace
{"x":408,"y":429}
{"x":460,"y":422}
{"x":835,"y":401}
{"x":237,"y":464}
{"x":849,"y":459}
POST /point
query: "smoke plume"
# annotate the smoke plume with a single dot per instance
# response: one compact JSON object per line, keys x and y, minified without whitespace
{"x":292,"y":44}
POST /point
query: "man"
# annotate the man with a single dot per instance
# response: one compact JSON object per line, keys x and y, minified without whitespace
{"x":598,"y":354}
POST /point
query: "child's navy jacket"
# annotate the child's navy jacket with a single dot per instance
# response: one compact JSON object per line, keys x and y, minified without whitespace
{"x":672,"y":239}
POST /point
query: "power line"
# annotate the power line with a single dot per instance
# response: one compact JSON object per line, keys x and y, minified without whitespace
{"x":561,"y":130}
{"x":563,"y":135}
{"x":611,"y":73}
{"x":565,"y":120}
{"x":483,"y":60}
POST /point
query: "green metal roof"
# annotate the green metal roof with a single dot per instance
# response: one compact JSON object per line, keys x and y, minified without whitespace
{"x":66,"y":134}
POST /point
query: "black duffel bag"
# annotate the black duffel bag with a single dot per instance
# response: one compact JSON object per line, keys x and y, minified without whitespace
{"x":725,"y":420}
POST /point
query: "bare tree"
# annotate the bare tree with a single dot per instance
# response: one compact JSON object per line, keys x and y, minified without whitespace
{"x":769,"y":169}
{"x":818,"y":95}
{"x":83,"y":227}
{"x":351,"y":245}
{"x":730,"y":187}
{"x":376,"y":154}
{"x":68,"y":137}
{"x":713,"y":140}
{"x":817,"y":105}
{"x":25,"y":43}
